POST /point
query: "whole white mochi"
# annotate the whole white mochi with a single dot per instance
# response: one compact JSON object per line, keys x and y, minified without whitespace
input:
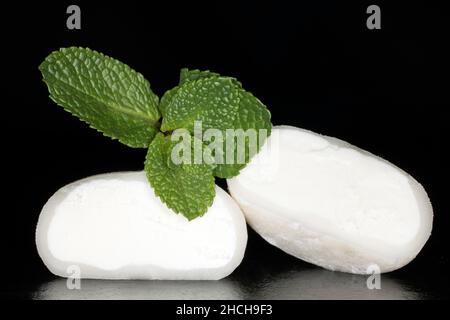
{"x":327,"y":202}
{"x":113,"y":226}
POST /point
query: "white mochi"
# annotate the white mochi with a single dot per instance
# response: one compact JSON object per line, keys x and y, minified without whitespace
{"x":329,"y":203}
{"x":113,"y":226}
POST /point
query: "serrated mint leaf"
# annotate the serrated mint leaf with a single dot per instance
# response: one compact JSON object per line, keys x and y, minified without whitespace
{"x":187,"y":75}
{"x":251,"y":114}
{"x":214,"y":101}
{"x":188,"y":189}
{"x":107,"y":94}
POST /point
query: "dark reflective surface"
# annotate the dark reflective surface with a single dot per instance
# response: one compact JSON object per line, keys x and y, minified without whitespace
{"x":322,"y":284}
{"x":294,"y":284}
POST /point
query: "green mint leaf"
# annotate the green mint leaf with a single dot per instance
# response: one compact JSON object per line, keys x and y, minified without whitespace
{"x":251,"y":114}
{"x":185,"y":188}
{"x":212,"y":100}
{"x":107,"y":94}
{"x":187,"y":75}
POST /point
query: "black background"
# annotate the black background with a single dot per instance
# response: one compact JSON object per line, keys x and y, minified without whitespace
{"x":313,"y":63}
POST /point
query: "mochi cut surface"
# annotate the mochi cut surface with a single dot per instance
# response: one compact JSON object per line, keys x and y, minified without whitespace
{"x":113,"y":226}
{"x":327,"y":202}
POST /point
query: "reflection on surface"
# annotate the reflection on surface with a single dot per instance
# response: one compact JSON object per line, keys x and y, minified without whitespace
{"x":310,"y":283}
{"x":139,"y":290}
{"x":318,"y":284}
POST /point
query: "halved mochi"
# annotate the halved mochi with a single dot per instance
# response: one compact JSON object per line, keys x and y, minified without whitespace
{"x":332,"y":204}
{"x":113,"y":226}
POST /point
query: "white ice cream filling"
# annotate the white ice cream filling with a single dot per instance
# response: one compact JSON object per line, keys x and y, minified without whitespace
{"x":112,"y":222}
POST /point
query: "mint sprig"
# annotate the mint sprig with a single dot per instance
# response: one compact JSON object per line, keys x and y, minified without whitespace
{"x":117,"y":101}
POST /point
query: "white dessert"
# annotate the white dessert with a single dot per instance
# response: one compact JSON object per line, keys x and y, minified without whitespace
{"x":112,"y":226}
{"x":332,"y":204}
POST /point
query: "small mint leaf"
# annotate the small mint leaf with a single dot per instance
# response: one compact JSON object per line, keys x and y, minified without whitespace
{"x":107,"y":94}
{"x":213,"y":101}
{"x":188,"y":189}
{"x":187,"y":75}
